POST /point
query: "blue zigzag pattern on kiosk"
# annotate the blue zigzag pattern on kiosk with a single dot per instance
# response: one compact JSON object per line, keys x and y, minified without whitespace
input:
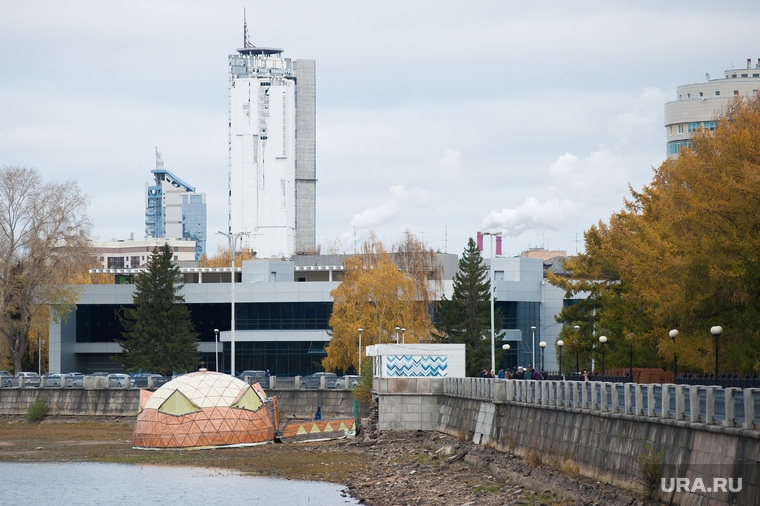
{"x":416,"y":365}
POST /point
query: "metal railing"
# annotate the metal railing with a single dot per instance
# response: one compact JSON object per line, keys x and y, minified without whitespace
{"x":710,"y":405}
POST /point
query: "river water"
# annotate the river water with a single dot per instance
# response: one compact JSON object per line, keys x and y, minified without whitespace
{"x":85,"y":483}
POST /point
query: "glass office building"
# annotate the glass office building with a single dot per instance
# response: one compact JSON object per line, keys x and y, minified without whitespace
{"x":174,"y":210}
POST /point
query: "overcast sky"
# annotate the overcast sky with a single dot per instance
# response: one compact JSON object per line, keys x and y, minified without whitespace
{"x":441,"y":117}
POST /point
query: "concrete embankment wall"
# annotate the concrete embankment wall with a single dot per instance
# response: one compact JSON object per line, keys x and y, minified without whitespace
{"x":293,"y":403}
{"x":302,"y":404}
{"x":100,"y":401}
{"x":603,"y":445}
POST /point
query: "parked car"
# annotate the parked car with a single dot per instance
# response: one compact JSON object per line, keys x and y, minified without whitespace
{"x":140,"y":380}
{"x":259,"y":377}
{"x":6,"y":378}
{"x":119,"y":380}
{"x":31,"y":379}
{"x":74,"y":379}
{"x":347,"y":382}
{"x":52,"y":379}
{"x":314,"y":380}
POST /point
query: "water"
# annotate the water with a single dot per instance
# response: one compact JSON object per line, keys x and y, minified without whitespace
{"x":85,"y":483}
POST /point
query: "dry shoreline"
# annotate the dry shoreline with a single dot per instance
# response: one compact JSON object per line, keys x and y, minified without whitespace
{"x":397,"y":468}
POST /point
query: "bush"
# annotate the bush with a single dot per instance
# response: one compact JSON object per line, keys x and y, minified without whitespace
{"x":363,"y":389}
{"x":37,"y":410}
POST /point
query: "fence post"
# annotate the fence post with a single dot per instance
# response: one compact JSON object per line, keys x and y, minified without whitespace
{"x":650,"y":399}
{"x":749,"y":409}
{"x":730,"y":411}
{"x":709,"y":404}
{"x":680,"y":402}
{"x":639,"y":397}
{"x":694,"y":404}
{"x":627,"y":397}
{"x":584,"y":395}
{"x":666,"y":388}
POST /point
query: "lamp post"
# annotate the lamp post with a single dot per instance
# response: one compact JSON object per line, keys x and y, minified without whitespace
{"x":505,"y":347}
{"x":216,"y":349}
{"x":577,"y":335}
{"x":39,"y":342}
{"x":360,"y":351}
{"x":630,"y":338}
{"x":397,"y":329}
{"x":542,"y":345}
{"x":403,"y":335}
{"x":232,"y":238}
{"x":673,"y":334}
{"x":716,"y":331}
{"x":533,"y":331}
{"x":491,"y":288}
{"x":560,"y":344}
{"x":602,"y":339}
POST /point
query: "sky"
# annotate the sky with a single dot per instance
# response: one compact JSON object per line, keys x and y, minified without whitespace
{"x":442,"y":117}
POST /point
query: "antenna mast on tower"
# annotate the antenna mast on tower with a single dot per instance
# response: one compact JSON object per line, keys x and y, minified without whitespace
{"x":246,"y":41}
{"x":159,"y":160}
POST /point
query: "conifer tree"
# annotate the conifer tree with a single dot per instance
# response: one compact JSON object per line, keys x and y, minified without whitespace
{"x":466,"y":317}
{"x":158,"y":334}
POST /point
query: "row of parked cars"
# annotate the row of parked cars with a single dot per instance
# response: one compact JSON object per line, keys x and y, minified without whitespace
{"x":311,"y":381}
{"x":76,"y":379}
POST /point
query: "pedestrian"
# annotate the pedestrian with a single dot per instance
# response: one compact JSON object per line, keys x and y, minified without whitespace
{"x":318,"y":414}
{"x":537,"y":374}
{"x":501,"y":374}
{"x":585,"y":375}
{"x":527,"y":374}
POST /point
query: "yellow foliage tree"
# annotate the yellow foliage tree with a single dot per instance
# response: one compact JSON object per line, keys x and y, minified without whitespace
{"x":685,"y":253}
{"x":377,"y":297}
{"x":222,"y":257}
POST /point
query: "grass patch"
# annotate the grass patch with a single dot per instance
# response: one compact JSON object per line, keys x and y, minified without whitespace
{"x":486,"y":489}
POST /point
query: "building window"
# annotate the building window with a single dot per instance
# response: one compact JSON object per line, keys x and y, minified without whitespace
{"x":745,"y":75}
{"x":693,"y":127}
{"x":736,"y":92}
{"x":680,"y":129}
{"x":701,"y":94}
{"x":688,"y":95}
{"x":717,"y":93}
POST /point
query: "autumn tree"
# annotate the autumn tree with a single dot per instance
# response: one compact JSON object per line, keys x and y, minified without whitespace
{"x":376,"y":296}
{"x":466,"y":317}
{"x":683,"y":252}
{"x":158,"y":332}
{"x":44,"y":241}
{"x":222,"y":257}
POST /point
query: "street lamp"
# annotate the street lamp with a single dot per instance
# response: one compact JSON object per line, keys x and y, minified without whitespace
{"x":602,"y":339}
{"x":533,"y":330}
{"x":491,"y":289}
{"x":577,"y":334}
{"x":216,"y":348}
{"x":630,"y":338}
{"x":542,"y":344}
{"x":403,"y":335}
{"x":560,"y":344}
{"x":232,"y":238}
{"x":673,"y":334}
{"x":505,"y":347}
{"x":39,"y":342}
{"x":716,"y":331}
{"x":360,"y":351}
{"x":397,"y":329}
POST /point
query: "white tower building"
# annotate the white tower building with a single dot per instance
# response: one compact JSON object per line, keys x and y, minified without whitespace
{"x":698,"y":105}
{"x":272,"y":150}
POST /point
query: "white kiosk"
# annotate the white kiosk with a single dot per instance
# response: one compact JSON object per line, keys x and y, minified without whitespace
{"x":417,"y":360}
